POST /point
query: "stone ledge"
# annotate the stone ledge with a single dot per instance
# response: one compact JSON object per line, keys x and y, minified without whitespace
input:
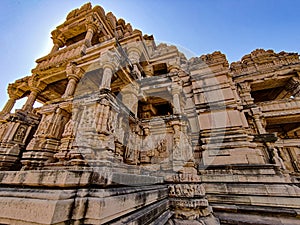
{"x":247,"y":219}
{"x":80,"y":178}
{"x":287,"y":212}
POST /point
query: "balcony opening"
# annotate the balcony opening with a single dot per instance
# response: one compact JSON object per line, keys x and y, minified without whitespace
{"x":285,"y":130}
{"x":154,"y":107}
{"x":75,"y":39}
{"x":266,"y":94}
{"x":270,"y":90}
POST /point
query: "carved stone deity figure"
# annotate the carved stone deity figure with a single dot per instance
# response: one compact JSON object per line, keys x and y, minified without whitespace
{"x":182,"y":149}
{"x":20,"y":134}
{"x":103,"y":121}
{"x":44,"y":125}
{"x":68,"y":128}
{"x":131,"y":150}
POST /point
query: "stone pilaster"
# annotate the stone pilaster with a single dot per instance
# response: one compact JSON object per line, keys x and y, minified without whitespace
{"x":188,"y":198}
{"x":46,"y":139}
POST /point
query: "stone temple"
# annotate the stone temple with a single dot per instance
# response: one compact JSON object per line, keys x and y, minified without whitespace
{"x":133,"y":132}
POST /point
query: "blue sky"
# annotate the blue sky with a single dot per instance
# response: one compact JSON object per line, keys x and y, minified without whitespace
{"x":234,"y":27}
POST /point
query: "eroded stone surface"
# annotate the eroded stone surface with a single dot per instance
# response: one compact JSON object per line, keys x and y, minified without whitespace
{"x":134,"y":132}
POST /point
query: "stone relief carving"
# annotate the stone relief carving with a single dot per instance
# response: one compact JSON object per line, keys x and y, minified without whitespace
{"x":20,"y":134}
{"x":3,"y":127}
{"x":186,"y":190}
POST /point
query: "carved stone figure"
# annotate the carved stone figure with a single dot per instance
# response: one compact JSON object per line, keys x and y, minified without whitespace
{"x":20,"y":134}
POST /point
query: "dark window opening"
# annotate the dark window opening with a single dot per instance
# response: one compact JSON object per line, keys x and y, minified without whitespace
{"x":75,"y":39}
{"x":285,"y":130}
{"x":160,"y":69}
{"x":154,"y":108}
{"x":269,"y":90}
{"x":267,"y":94}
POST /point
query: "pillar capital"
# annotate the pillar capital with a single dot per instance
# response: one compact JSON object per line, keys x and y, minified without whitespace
{"x":134,"y":51}
{"x":92,"y":24}
{"x":245,"y":87}
{"x":109,"y":60}
{"x":176,"y":89}
{"x":74,"y":72}
{"x":35,"y":84}
{"x":256,"y":112}
{"x":12,"y":92}
{"x":58,"y":40}
{"x":35,"y":90}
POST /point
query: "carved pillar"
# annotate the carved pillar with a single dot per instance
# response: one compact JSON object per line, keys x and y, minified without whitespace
{"x":107,"y":75}
{"x":134,"y":54}
{"x":92,"y":26}
{"x":258,"y":123}
{"x":293,"y":87}
{"x":13,"y":96}
{"x":28,"y":106}
{"x":89,"y":36}
{"x":9,"y":105}
{"x":36,"y":86}
{"x":71,"y":85}
{"x":57,"y":43}
{"x":176,"y":90}
{"x":257,"y":120}
{"x":245,"y":93}
{"x":73,"y":75}
{"x":109,"y":62}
